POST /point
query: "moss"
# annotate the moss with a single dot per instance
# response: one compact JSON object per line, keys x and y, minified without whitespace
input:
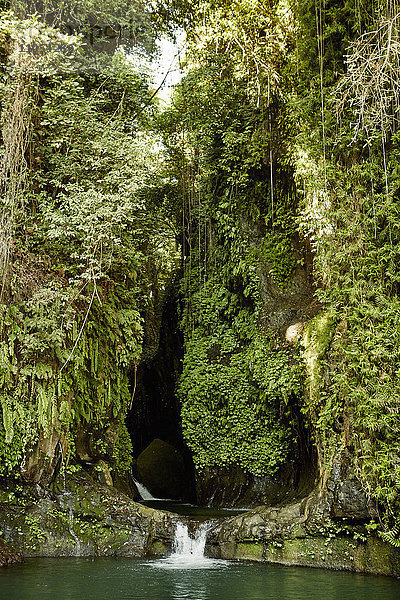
{"x":157,"y":548}
{"x":315,"y":340}
{"x":377,"y":556}
{"x":315,"y":552}
{"x":84,"y":518}
{"x":372,"y":556}
{"x":299,"y":531}
{"x":317,"y":337}
{"x":123,"y":452}
{"x":249,"y":550}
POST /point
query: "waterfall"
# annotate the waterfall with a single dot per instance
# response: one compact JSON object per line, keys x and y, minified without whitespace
{"x":143,"y":491}
{"x":190,"y":547}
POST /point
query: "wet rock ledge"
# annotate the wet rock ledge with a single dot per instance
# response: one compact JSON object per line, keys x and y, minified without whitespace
{"x":81,"y":517}
{"x":307,"y":533}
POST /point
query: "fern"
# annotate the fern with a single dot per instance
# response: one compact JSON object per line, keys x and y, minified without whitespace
{"x":8,"y":417}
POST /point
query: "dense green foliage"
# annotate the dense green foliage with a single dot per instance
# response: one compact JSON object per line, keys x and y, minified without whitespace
{"x":355,"y":237}
{"x":87,"y":245}
{"x":304,"y":96}
{"x":232,"y":398}
{"x":224,"y":132}
{"x":282,"y":156}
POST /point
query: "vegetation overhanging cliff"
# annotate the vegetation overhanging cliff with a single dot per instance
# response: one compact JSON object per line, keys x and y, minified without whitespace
{"x":275,"y":193}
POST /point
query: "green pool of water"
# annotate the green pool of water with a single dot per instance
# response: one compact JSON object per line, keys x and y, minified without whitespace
{"x":200,"y":513}
{"x":128,"y":579}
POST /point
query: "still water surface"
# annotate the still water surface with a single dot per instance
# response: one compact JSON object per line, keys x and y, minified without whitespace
{"x":129,"y":579}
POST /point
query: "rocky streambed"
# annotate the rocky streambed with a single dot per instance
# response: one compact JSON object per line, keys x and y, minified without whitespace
{"x":81,"y":517}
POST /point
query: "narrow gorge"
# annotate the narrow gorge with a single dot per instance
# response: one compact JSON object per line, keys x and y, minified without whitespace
{"x":199,"y":296}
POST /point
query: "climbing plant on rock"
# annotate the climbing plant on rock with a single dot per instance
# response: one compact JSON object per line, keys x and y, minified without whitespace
{"x":86,"y":247}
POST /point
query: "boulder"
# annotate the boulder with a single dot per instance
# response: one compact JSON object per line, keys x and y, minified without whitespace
{"x":78,"y":516}
{"x":346,"y":495}
{"x":303,"y":533}
{"x":9,"y":556}
{"x":161,"y":468}
{"x":293,"y":332}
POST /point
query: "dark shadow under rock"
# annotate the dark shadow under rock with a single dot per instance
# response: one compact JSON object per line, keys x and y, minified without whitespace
{"x":161,"y":468}
{"x":232,"y":486}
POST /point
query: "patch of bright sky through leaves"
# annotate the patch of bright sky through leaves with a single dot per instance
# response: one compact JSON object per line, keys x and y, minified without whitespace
{"x":165,"y":69}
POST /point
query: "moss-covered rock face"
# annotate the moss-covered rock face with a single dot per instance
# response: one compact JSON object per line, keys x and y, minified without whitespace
{"x":303,"y":534}
{"x":329,"y":528}
{"x":80,"y":517}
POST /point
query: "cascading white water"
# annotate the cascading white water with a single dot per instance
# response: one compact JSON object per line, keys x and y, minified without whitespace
{"x":190,"y":547}
{"x":143,"y":491}
{"x":188,"y":550}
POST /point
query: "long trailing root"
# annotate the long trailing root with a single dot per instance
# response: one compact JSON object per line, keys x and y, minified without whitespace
{"x":371,"y":85}
{"x":16,"y":132}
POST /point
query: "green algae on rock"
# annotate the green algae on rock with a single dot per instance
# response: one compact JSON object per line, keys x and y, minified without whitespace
{"x":292,"y":535}
{"x":81,"y":517}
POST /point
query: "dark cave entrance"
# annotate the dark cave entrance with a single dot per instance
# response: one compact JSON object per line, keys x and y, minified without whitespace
{"x":162,"y":461}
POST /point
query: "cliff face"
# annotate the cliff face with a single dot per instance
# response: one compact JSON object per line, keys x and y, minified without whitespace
{"x":243,"y":402}
{"x":280,"y":182}
{"x":85,"y":253}
{"x":248,"y":286}
{"x":290,"y":186}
